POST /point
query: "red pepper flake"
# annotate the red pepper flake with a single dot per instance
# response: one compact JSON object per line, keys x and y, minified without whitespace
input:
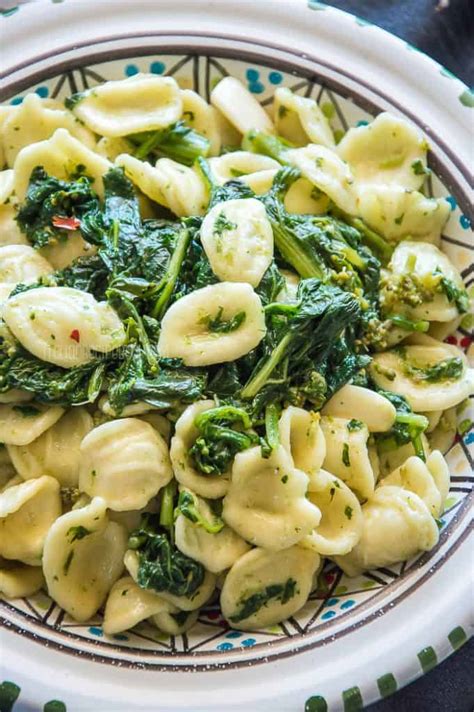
{"x":75,"y":335}
{"x":65,"y":223}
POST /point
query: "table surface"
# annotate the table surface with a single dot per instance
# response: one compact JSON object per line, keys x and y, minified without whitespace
{"x":443,"y":29}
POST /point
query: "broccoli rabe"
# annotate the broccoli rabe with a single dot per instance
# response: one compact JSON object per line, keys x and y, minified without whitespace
{"x":178,"y":142}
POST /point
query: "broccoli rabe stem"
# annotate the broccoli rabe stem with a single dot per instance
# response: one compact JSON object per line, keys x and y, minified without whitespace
{"x":272,"y":414}
{"x":408,"y":324}
{"x":290,"y":249}
{"x":266,"y":144}
{"x":370,"y":238}
{"x":178,"y":142}
{"x":172,"y":273}
{"x":255,"y":384}
{"x":416,"y":425}
{"x":132,"y":319}
{"x":167,"y":505}
{"x":188,"y":508}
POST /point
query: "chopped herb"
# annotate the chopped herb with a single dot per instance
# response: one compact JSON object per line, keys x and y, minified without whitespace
{"x":345,"y":455}
{"x":67,"y":562}
{"x":354,"y":425}
{"x":27,"y":411}
{"x":187,"y":506}
{"x":284,"y":479}
{"x":419,"y":168}
{"x":218,"y":325}
{"x":222,"y":223}
{"x":251,"y":605}
{"x":348,"y":512}
{"x":78,"y":532}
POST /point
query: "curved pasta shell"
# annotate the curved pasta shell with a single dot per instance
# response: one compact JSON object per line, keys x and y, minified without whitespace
{"x":185,"y":329}
{"x":170,"y":623}
{"x":7,"y":471}
{"x":21,"y":424}
{"x":63,"y":326}
{"x":200,"y":597}
{"x":128,"y":604}
{"x":266,"y":502}
{"x":139,"y":103}
{"x":397,"y":213}
{"x":20,"y":581}
{"x":19,"y":263}
{"x":302,"y":437}
{"x":303,"y":198}
{"x":415,"y":476}
{"x":348,"y":455}
{"x":240,"y":107}
{"x":300,"y":120}
{"x":216,"y":552}
{"x":36,"y":120}
{"x":241,"y":250}
{"x":27,"y":511}
{"x":384,"y":152}
{"x":239,"y":164}
{"x":7,"y":184}
{"x":388,"y":370}
{"x":177,"y":187}
{"x":56,"y":452}
{"x":209,"y":486}
{"x":10,"y":233}
{"x":202,"y":118}
{"x":362,"y":404}
{"x":397,"y":525}
{"x":443,"y":435}
{"x":341,"y":522}
{"x":392,"y":459}
{"x":258,"y":569}
{"x":111,"y":148}
{"x":62,"y":254}
{"x":59,"y":156}
{"x":324,"y":169}
{"x":424,"y":261}
{"x":126,"y":462}
{"x":82,"y":559}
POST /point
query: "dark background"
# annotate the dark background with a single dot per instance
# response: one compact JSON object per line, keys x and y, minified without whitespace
{"x":443,"y":29}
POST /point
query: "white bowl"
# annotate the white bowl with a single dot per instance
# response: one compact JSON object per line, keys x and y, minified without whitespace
{"x":362,"y":638}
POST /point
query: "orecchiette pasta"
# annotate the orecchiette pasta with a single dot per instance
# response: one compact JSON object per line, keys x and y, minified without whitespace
{"x":18,"y":580}
{"x":140,"y":103}
{"x":199,"y":598}
{"x":22,"y":423}
{"x":191,"y":329}
{"x":349,"y":456}
{"x":202,"y":118}
{"x":240,"y":107}
{"x":177,"y":187}
{"x":216,"y":551}
{"x":60,"y":156}
{"x":34,"y":120}
{"x":388,"y":151}
{"x":238,"y":240}
{"x":19,"y":263}
{"x":82,"y":558}
{"x":266,"y":502}
{"x":392,"y":458}
{"x":7,"y":184}
{"x":340,"y":527}
{"x":61,"y":254}
{"x":397,"y":213}
{"x":175,"y":622}
{"x":432,"y":376}
{"x":397,"y":525}
{"x":7,"y":471}
{"x":63,"y":325}
{"x":300,"y":120}
{"x":126,"y":462}
{"x":302,"y":437}
{"x":426,"y":263}
{"x":56,"y":452}
{"x":128,"y":604}
{"x":354,"y":402}
{"x":27,"y":511}
{"x":10,"y":233}
{"x":238,"y":164}
{"x":288,"y":575}
{"x":442,"y":436}
{"x":329,"y":173}
{"x":209,"y":486}
{"x":430,"y":480}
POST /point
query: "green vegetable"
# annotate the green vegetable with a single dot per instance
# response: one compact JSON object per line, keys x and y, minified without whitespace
{"x":408,"y":427}
{"x":221,"y":326}
{"x":454,"y":294}
{"x":404,"y":322}
{"x":348,"y":512}
{"x":49,"y":197}
{"x":78,"y":532}
{"x":187,"y":506}
{"x":419,"y":169}
{"x":162,"y":567}
{"x":282,"y":592}
{"x":178,"y":142}
{"x":218,"y":442}
{"x":449,"y":369}
{"x":345,"y":455}
{"x":354,"y":425}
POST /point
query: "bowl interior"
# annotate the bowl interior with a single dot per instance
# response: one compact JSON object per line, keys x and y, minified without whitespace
{"x":339,"y":602}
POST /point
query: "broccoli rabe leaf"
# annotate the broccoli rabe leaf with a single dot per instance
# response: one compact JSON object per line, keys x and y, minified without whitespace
{"x":162,"y":567}
{"x":51,"y":203}
{"x":187,"y":506}
{"x":408,"y":427}
{"x":177,"y":141}
{"x":218,"y":442}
